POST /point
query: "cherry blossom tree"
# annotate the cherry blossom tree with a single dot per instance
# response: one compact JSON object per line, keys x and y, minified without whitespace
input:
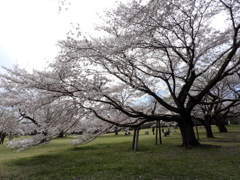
{"x":157,"y":46}
{"x":8,"y":124}
{"x":157,"y":49}
{"x":219,"y":105}
{"x":42,"y":104}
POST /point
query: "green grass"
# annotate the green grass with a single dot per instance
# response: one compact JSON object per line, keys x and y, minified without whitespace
{"x":110,"y":157}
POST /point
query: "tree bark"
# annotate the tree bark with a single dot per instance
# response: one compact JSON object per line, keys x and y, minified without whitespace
{"x":187,"y":132}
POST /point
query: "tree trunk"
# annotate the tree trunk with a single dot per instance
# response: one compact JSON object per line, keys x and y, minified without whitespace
{"x":196,"y":128}
{"x":153,"y":130}
{"x":156,"y":134}
{"x":222,"y":128}
{"x":116,"y":131}
{"x":209,"y":132}
{"x":207,"y":125}
{"x":187,"y":132}
{"x":221,"y":124}
{"x":2,"y":137}
{"x":61,"y":134}
{"x":160,"y":133}
{"x":135,"y":139}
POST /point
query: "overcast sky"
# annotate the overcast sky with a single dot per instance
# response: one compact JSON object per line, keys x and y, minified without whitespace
{"x":30,"y":29}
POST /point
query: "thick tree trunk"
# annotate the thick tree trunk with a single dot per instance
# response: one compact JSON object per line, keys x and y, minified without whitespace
{"x":187,"y":132}
{"x":221,"y":124}
{"x":209,"y":132}
{"x":207,"y":125}
{"x":222,"y":128}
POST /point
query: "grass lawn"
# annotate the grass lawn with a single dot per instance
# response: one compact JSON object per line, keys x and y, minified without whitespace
{"x":110,"y":157}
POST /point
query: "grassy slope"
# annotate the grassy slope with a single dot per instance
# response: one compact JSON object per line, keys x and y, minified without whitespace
{"x":110,"y":157}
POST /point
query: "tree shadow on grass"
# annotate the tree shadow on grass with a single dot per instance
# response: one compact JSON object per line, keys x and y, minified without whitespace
{"x":209,"y":146}
{"x":85,"y":162}
{"x":225,"y":138}
{"x":201,"y":146}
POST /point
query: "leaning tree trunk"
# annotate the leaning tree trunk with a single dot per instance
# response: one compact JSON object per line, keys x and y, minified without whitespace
{"x":187,"y":132}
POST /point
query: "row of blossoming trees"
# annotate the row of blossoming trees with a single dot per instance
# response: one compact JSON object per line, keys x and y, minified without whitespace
{"x":153,"y":61}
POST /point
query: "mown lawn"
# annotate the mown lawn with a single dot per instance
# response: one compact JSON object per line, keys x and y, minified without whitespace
{"x":110,"y":157}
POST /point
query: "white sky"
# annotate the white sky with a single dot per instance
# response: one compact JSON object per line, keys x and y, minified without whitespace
{"x":30,"y":29}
